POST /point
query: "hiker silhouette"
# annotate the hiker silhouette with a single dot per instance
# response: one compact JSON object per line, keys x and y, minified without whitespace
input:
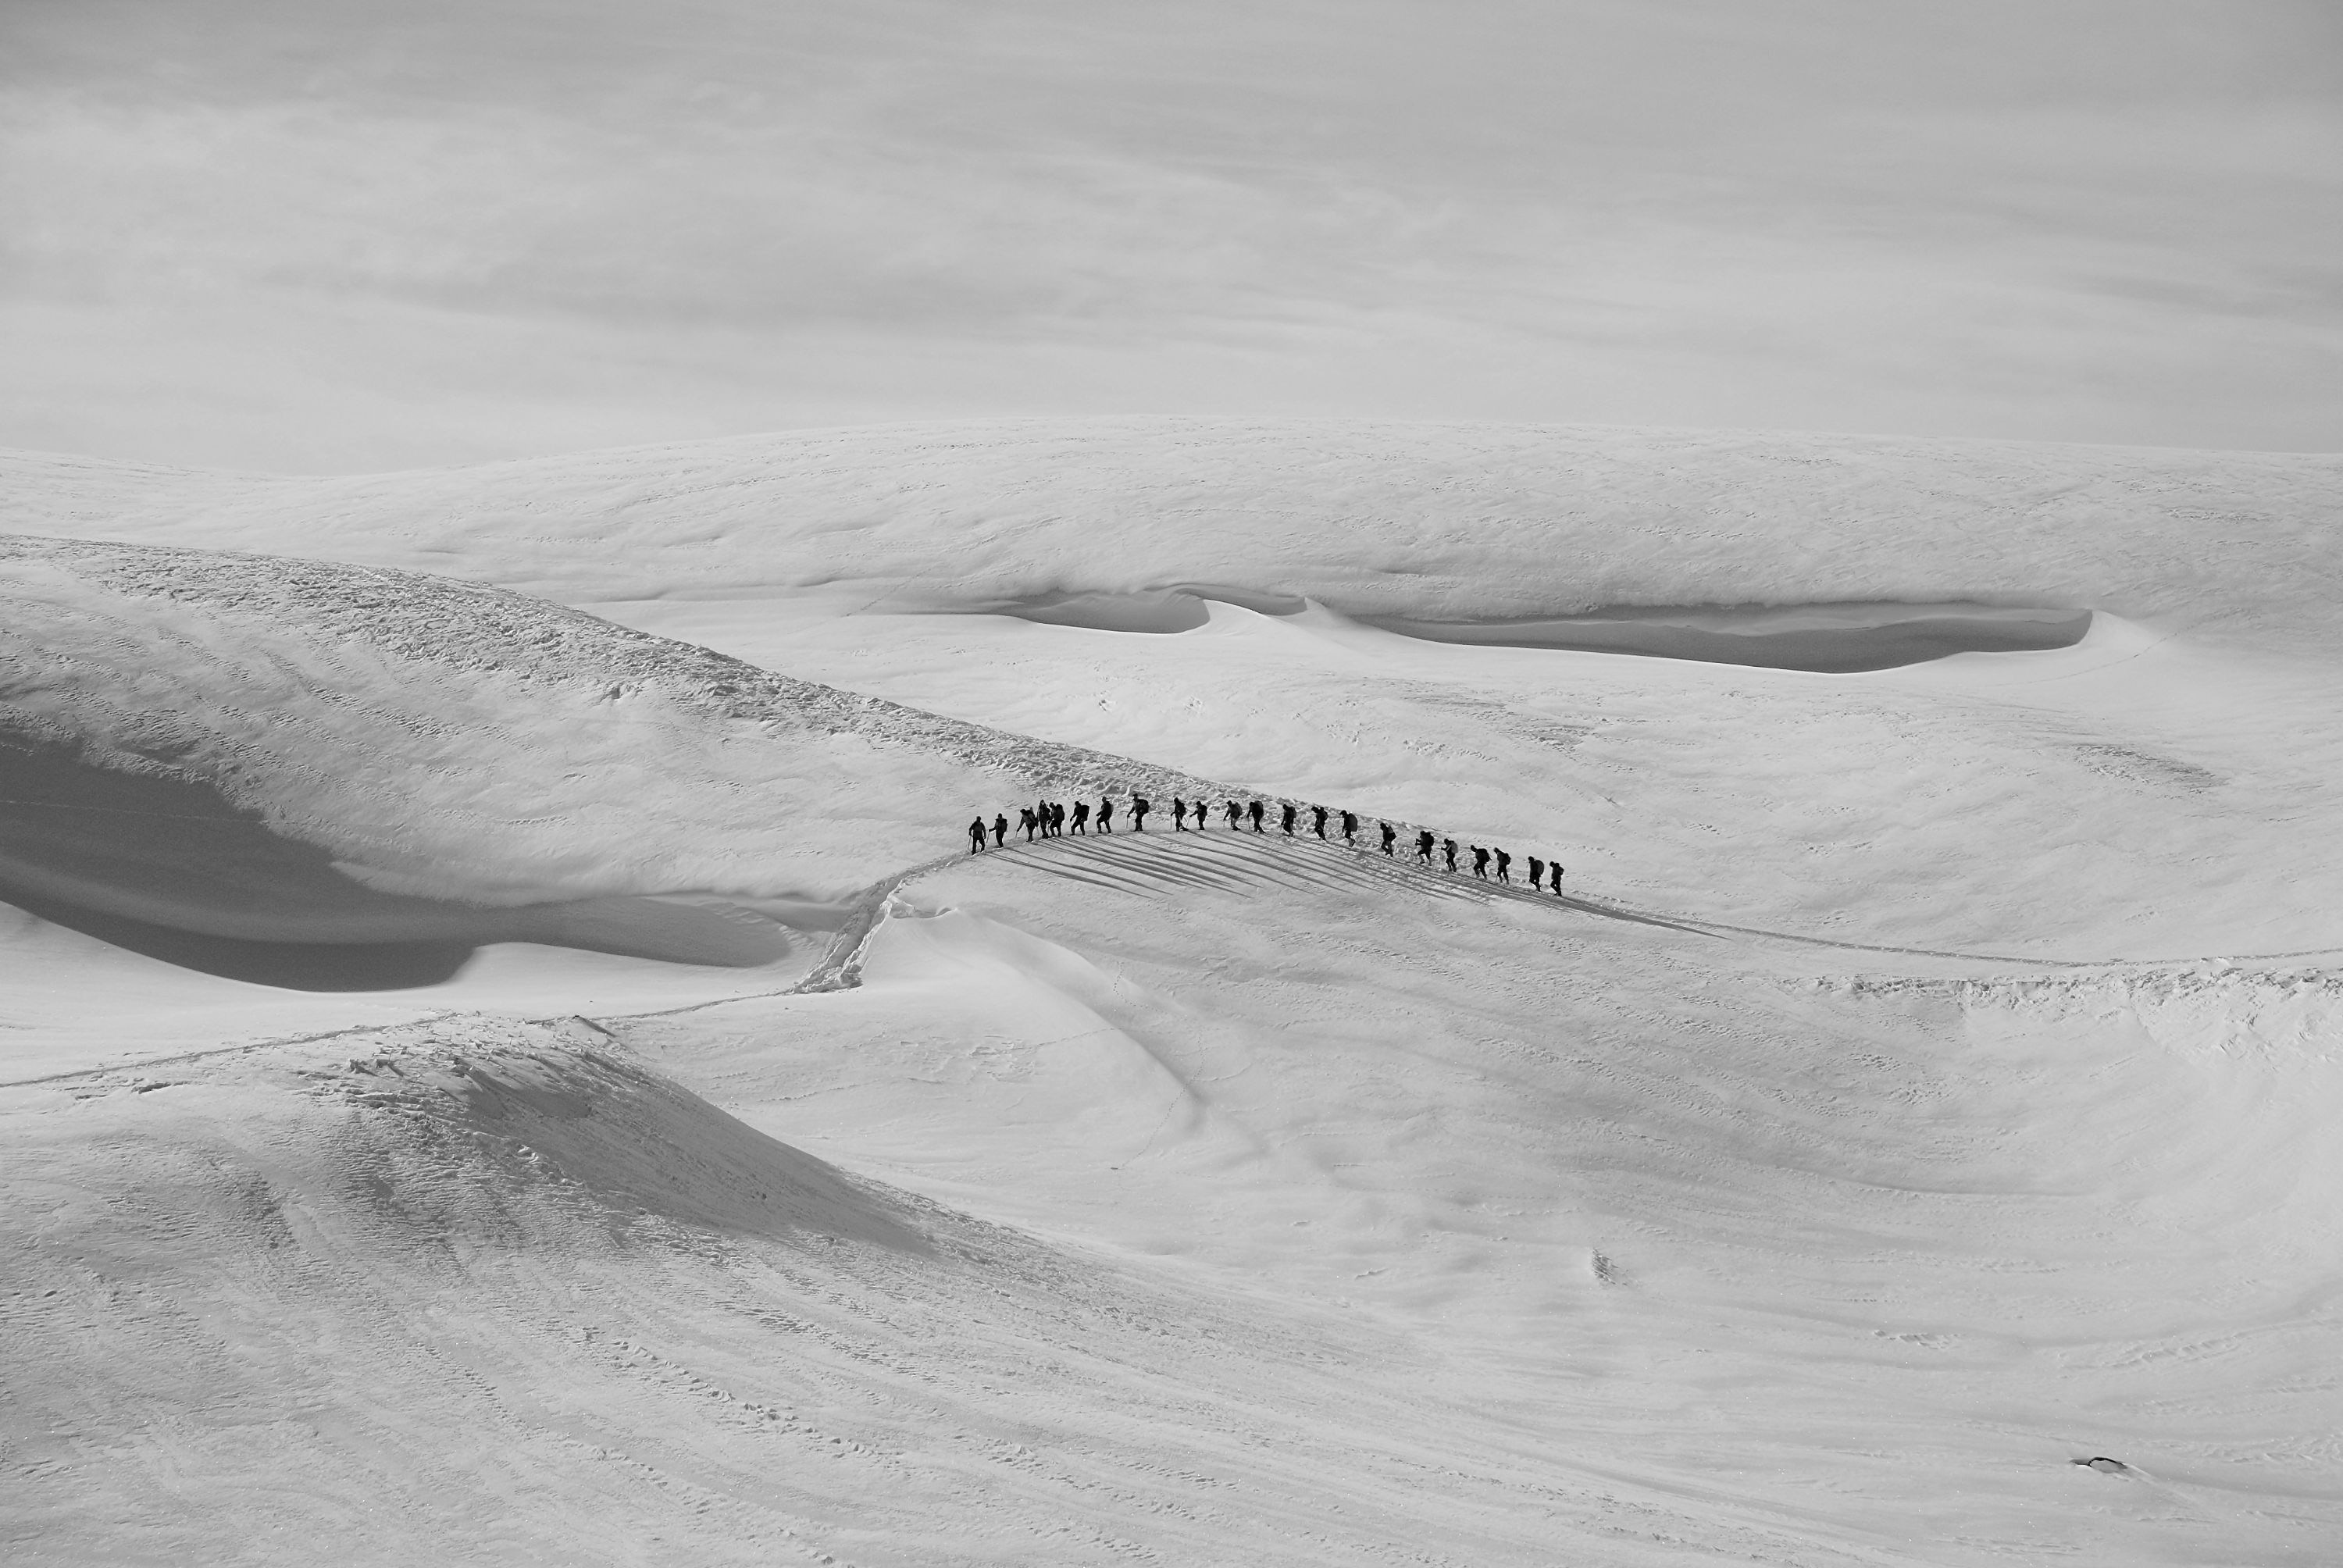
{"x":1424,"y":847}
{"x":1253,"y":812}
{"x":1286,"y":816}
{"x":1390,"y":836}
{"x":1138,"y":813}
{"x":1318,"y":819}
{"x":976,"y":837}
{"x":1448,"y":848}
{"x":1000,"y":829}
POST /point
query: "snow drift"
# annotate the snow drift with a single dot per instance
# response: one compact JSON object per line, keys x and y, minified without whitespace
{"x":276,"y":750}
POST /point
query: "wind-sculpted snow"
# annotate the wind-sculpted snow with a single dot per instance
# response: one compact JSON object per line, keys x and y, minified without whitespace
{"x":1432,"y":522}
{"x":487,"y":1290}
{"x":288,"y":751}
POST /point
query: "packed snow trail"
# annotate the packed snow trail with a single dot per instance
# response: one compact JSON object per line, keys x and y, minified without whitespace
{"x":1142,"y":864}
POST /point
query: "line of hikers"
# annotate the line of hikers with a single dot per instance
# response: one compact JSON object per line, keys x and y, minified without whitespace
{"x":1051,"y":819}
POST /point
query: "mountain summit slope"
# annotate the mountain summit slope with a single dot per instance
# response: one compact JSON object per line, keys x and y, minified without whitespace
{"x":296,"y":750}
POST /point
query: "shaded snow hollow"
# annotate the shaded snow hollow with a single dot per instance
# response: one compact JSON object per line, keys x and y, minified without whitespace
{"x":1824,"y":638}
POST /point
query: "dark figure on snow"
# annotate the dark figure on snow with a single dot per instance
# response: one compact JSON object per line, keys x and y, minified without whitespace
{"x":1424,"y":846}
{"x":1505,"y":867}
{"x":1480,"y":862}
{"x":976,"y":837}
{"x":1083,"y":818}
{"x":1448,"y":848}
{"x":1287,"y":817}
{"x":1106,"y":816}
{"x":1537,"y":871}
{"x":1555,"y":871}
{"x":1203,"y":816}
{"x":1318,"y":819}
{"x":1178,"y":815}
{"x":1235,"y":814}
{"x":1390,"y":836}
{"x":1043,"y":812}
{"x":1253,"y":812}
{"x":1349,"y":826}
{"x":1138,"y":813}
{"x":1000,"y":829}
{"x":1026,"y":820}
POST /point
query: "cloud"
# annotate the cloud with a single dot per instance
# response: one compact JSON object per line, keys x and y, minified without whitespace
{"x":2108,"y":221}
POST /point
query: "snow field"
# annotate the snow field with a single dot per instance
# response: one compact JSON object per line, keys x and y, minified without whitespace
{"x":1197,"y":1198}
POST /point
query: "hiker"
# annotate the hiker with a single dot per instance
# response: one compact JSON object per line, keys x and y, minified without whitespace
{"x":1424,"y":846}
{"x":1253,"y":812}
{"x":1350,"y":827}
{"x":1480,"y":862}
{"x":1235,"y":814}
{"x":976,"y":837}
{"x":1318,"y":819}
{"x":1025,"y":820}
{"x":1390,"y":836}
{"x":1287,"y":815}
{"x":1555,"y":871}
{"x":1203,"y":816}
{"x":1106,"y":816}
{"x":1083,"y":818}
{"x":1000,"y":829}
{"x":1138,"y":813}
{"x":1537,"y":871}
{"x":1178,"y":815}
{"x":1448,"y":848}
{"x":1505,"y":867}
{"x":1057,"y":818}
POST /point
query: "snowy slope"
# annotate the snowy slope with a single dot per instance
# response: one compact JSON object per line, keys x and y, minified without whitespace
{"x":431,"y":740}
{"x":1926,"y":1087}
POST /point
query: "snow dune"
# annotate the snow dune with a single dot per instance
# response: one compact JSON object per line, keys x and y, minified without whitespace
{"x":1927,"y":1086}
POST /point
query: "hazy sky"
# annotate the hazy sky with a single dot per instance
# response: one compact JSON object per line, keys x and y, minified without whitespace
{"x":317,"y":234}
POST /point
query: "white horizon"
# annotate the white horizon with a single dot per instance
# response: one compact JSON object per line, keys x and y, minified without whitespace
{"x":319,"y":239}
